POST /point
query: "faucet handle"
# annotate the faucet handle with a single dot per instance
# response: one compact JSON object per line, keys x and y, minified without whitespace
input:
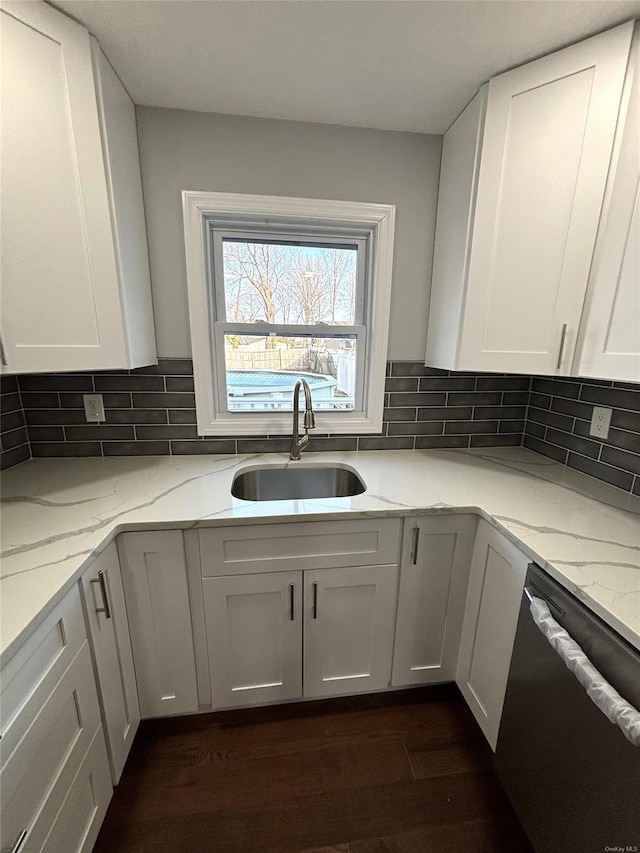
{"x":309,"y":420}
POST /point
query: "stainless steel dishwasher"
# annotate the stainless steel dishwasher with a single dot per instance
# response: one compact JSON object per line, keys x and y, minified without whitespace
{"x":572,"y":776}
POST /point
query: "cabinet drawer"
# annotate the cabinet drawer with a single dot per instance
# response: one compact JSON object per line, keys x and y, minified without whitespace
{"x":304,"y":545}
{"x":40,"y":770}
{"x":30,"y":676}
{"x":76,"y":826}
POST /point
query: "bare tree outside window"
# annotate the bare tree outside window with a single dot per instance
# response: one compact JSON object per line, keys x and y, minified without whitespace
{"x":289,"y":284}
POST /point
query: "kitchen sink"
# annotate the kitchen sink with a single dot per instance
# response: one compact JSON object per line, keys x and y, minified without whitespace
{"x":297,"y":482}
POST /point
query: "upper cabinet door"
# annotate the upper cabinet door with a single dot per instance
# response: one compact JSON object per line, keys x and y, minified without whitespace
{"x":524,"y":170}
{"x":58,"y":268}
{"x":610,"y":336}
{"x":546,"y":148}
{"x":75,"y":281}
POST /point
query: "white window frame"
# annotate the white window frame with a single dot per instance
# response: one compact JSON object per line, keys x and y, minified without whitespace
{"x":234,"y":213}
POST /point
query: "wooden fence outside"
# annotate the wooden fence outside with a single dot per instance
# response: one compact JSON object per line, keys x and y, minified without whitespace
{"x":280,"y":359}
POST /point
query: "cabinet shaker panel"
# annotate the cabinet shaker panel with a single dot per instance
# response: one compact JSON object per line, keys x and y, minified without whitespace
{"x":436,"y":557}
{"x":75,"y":275}
{"x":497,"y":577}
{"x":57,"y":248}
{"x":547,"y":144}
{"x":106,"y":615}
{"x":349,"y":618}
{"x":520,"y":198}
{"x":154,"y":575}
{"x":610,"y":333}
{"x":254,"y":634}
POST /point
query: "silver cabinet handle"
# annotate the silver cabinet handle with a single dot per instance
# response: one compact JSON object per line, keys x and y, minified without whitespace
{"x":18,"y":843}
{"x":563,"y":338}
{"x":291,"y":595}
{"x":3,"y":357}
{"x":315,"y":599}
{"x":414,"y":544}
{"x":101,"y":579}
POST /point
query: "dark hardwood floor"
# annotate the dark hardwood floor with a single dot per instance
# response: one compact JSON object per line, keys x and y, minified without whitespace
{"x":406,"y":772}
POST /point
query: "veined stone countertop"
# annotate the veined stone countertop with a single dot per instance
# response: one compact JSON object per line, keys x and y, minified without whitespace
{"x":58,"y":513}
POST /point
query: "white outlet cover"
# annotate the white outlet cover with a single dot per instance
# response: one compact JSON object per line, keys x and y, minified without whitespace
{"x":600,"y":422}
{"x":93,"y":408}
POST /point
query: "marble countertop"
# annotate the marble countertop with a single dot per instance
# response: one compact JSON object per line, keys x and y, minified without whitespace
{"x":58,"y":513}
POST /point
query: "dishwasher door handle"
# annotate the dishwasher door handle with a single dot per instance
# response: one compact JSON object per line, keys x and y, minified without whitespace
{"x":601,"y":693}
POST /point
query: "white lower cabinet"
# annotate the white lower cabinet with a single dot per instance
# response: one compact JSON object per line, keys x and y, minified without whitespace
{"x":55,"y":783}
{"x":291,"y":546}
{"x":258,"y":625}
{"x":299,"y":610}
{"x":434,"y":572}
{"x":154,"y":574}
{"x":182,"y":638}
{"x":77,"y":824}
{"x":349,"y":618}
{"x":106,"y":615}
{"x":496,"y":582}
{"x":254,"y":637}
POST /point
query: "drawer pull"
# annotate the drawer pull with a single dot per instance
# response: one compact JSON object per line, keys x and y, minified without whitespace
{"x":291,"y":606}
{"x":18,"y":843}
{"x":103,"y":590}
{"x":315,"y":599}
{"x":414,"y":545}
{"x":563,"y":338}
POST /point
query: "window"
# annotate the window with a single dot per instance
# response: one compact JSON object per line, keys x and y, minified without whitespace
{"x":281,"y":289}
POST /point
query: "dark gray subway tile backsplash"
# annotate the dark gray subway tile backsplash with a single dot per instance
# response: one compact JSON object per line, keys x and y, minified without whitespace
{"x":151,"y":411}
{"x":558,"y":421}
{"x":14,"y":436}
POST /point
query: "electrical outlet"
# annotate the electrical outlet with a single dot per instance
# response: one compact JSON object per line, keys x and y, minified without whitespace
{"x":93,"y":408}
{"x":600,"y":422}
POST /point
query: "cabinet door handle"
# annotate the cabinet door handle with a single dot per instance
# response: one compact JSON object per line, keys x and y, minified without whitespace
{"x":18,"y":843}
{"x":101,"y":579}
{"x":563,"y":338}
{"x":315,"y":599}
{"x":414,"y":544}
{"x":3,"y":357}
{"x":292,"y":614}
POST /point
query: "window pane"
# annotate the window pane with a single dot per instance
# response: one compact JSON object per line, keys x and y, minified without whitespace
{"x":284,"y":283}
{"x":262,"y":370}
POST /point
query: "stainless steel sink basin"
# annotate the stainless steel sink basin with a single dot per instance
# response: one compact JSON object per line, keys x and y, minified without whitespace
{"x":296,"y":482}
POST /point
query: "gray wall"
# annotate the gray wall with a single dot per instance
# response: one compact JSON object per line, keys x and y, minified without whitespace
{"x":183,"y":150}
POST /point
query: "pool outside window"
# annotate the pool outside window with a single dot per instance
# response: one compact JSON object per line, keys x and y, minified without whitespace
{"x":261,"y":372}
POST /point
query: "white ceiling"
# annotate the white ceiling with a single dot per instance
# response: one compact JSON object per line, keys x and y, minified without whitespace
{"x":388,"y":64}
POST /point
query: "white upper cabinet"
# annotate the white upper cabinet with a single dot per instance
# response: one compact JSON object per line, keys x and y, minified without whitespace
{"x":609,"y":344}
{"x":75,"y":274}
{"x":521,"y":191}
